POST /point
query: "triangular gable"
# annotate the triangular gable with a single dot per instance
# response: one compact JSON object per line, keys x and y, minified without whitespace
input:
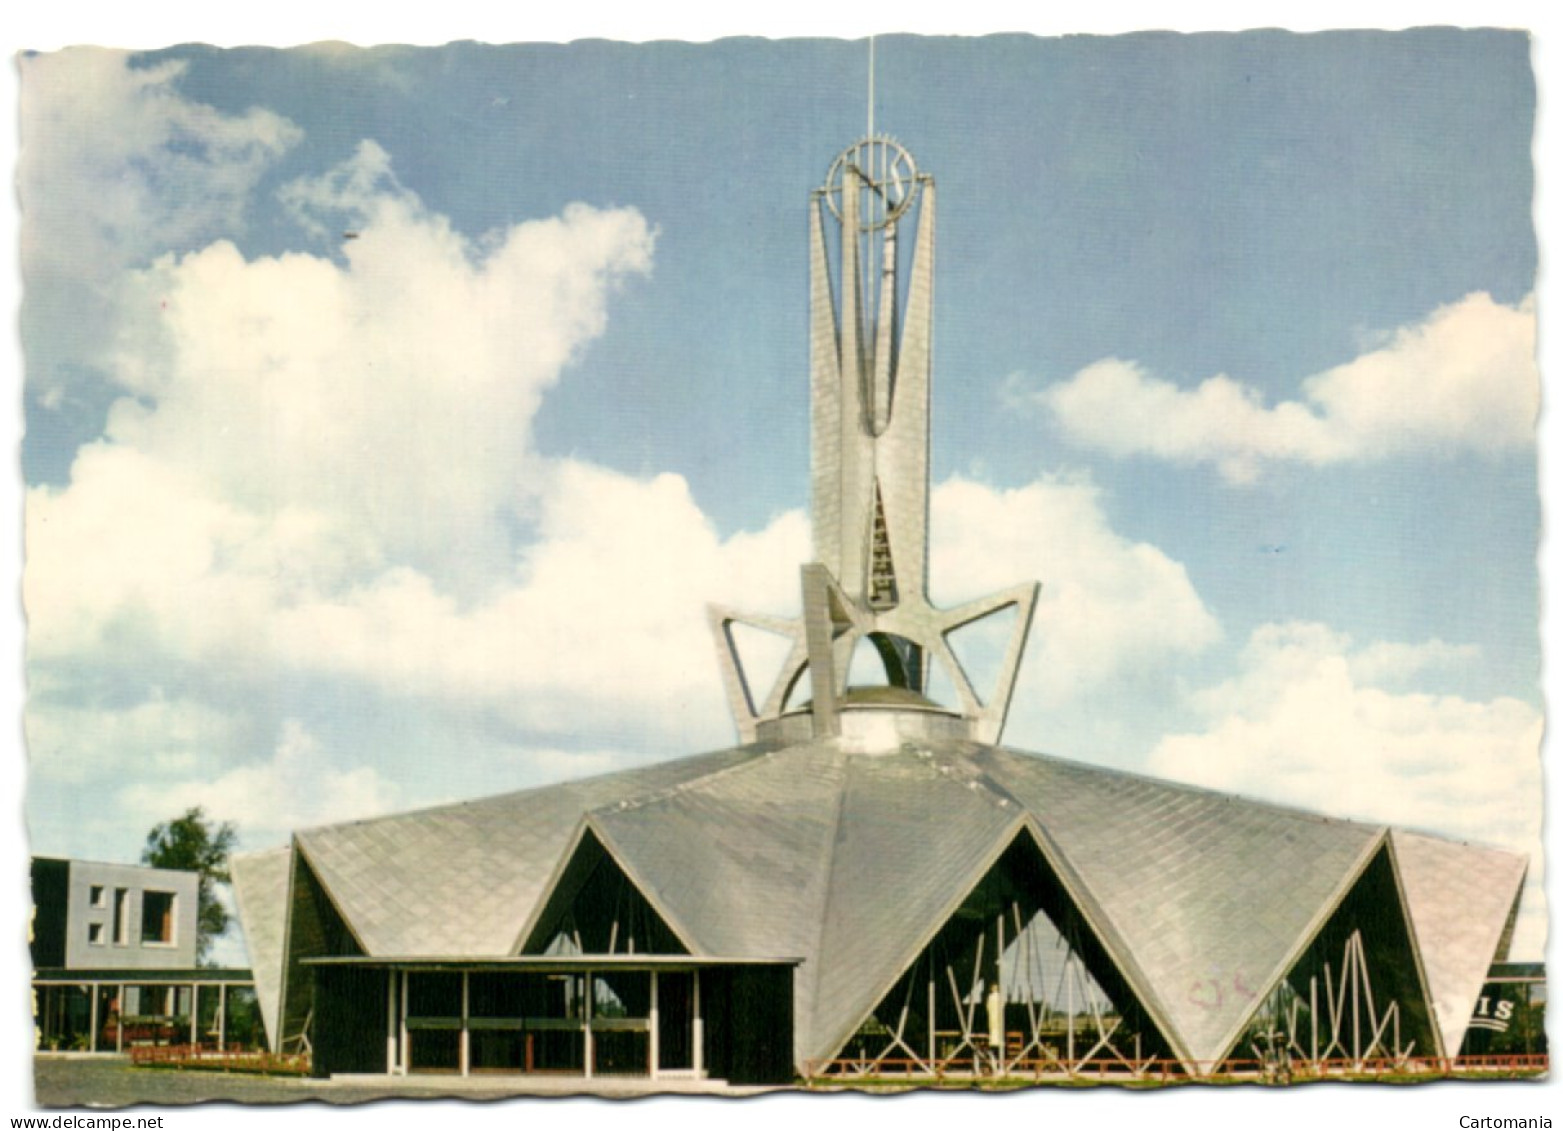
{"x":600,"y":908}
{"x":1372,"y":920}
{"x":914,"y":835}
{"x":743,"y":858}
{"x":1459,"y":897}
{"x":460,"y":880}
{"x":1019,"y":928}
{"x":739,"y":857}
{"x":1209,"y":894}
{"x":315,"y":929}
{"x":260,"y":889}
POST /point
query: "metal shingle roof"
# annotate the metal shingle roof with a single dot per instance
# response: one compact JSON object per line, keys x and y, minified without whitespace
{"x":1210,"y":894}
{"x":1459,"y":897}
{"x":853,"y":862}
{"x":461,"y":879}
{"x":737,"y":857}
{"x":260,"y":888}
{"x":915,"y":833}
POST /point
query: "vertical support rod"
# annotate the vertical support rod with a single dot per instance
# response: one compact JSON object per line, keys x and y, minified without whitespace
{"x":870,"y":86}
{"x":1069,"y":1008}
{"x":1336,"y":1002}
{"x":1356,"y":1024}
{"x":933,"y":1008}
{"x":589,"y":1051}
{"x":1313,"y":1016}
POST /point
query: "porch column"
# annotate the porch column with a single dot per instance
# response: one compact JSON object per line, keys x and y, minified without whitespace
{"x":406,"y":1057}
{"x":654,"y":1042}
{"x":93,"y":990}
{"x":222,"y":1017}
{"x":466,"y":1036}
{"x":195,"y":1013}
{"x":390,"y":1022}
{"x":700,"y":1032}
{"x":119,"y":1028}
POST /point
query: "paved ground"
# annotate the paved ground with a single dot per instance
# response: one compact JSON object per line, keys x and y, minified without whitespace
{"x":111,"y":1082}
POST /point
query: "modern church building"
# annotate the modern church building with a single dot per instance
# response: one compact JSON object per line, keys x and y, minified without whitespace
{"x":871,"y":884}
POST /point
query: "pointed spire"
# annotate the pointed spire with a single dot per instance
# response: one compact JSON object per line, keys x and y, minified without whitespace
{"x":870,"y":372}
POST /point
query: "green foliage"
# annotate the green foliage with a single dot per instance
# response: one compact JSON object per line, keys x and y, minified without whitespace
{"x":192,"y":843}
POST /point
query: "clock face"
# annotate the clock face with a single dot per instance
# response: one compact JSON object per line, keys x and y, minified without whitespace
{"x":885,"y":176}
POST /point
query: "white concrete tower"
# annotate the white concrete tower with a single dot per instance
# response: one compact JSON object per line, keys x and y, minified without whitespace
{"x":871,"y":352}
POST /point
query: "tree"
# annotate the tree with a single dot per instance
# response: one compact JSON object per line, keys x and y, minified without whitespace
{"x":192,"y":843}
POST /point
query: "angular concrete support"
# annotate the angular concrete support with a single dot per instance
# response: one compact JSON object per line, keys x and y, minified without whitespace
{"x":870,"y":373}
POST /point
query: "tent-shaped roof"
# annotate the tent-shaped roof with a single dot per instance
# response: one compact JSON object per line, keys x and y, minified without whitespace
{"x":1211,"y":896}
{"x":459,"y":880}
{"x":1460,"y":897}
{"x":851,"y":861}
{"x":260,"y":884}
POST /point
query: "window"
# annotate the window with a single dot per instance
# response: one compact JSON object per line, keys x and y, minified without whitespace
{"x":121,"y":916}
{"x":95,"y":895}
{"x":157,"y":918}
{"x":95,"y":934}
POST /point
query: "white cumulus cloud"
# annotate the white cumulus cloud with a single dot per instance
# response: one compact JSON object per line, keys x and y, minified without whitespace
{"x":296,"y":788}
{"x":74,"y":742}
{"x":1386,"y":662}
{"x":394,"y":390}
{"x":117,"y":165}
{"x":1302,"y":724}
{"x":322,"y":468}
{"x":1108,"y":606}
{"x":602,"y":626}
{"x":1463,"y":379}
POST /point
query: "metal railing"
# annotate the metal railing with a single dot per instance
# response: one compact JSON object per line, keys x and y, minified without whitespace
{"x":1162,"y":1070}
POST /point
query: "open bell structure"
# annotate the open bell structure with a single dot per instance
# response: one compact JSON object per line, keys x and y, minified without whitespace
{"x":869,"y":885}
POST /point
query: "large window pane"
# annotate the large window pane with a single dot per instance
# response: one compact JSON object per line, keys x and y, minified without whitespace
{"x":497,"y":995}
{"x":621,"y":1052}
{"x":433,"y":994}
{"x":497,"y":1050}
{"x":435,"y":1050}
{"x":557,"y":1050}
{"x":157,"y":918}
{"x":621,"y":993}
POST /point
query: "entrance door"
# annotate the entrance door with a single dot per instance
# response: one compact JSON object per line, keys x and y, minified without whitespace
{"x":676,"y":1020}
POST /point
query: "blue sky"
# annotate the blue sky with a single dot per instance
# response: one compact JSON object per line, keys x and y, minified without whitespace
{"x":1234,"y":340}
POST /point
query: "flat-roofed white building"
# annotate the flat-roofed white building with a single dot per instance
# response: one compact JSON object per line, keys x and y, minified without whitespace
{"x":114,"y":962}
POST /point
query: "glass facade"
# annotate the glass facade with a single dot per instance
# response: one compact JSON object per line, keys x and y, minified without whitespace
{"x":578,"y":1022}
